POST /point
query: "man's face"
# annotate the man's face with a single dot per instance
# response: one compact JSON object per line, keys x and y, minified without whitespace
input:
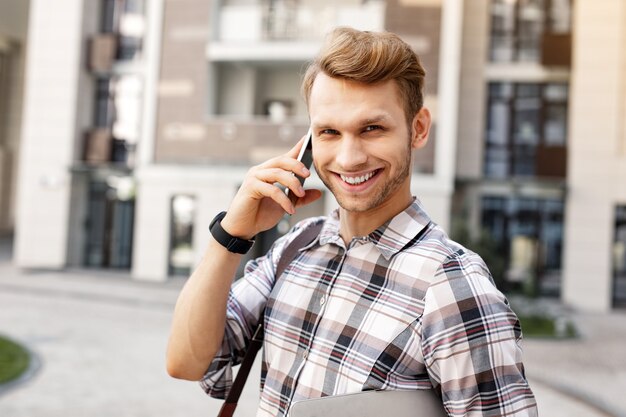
{"x":362,"y":142}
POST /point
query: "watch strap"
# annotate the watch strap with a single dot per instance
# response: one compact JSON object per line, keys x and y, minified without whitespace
{"x":230,"y":242}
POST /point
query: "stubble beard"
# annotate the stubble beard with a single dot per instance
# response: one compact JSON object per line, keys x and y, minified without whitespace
{"x":358,"y":205}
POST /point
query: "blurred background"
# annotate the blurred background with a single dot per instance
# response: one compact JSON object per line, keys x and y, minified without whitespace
{"x":126,"y":125}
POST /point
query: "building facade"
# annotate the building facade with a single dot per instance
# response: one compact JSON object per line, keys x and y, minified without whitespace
{"x":13,"y":39}
{"x":139,"y":130}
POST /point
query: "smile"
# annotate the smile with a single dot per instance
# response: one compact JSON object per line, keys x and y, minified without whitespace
{"x":356,"y":180}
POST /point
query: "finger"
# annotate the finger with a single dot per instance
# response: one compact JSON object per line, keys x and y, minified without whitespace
{"x":273,"y":192}
{"x":286,"y":163}
{"x":309,"y":197}
{"x":282,"y":177}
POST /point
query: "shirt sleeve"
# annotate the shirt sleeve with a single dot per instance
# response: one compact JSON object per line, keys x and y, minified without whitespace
{"x":471,"y":343}
{"x":246,"y":303}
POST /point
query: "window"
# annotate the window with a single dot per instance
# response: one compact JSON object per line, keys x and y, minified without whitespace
{"x":182,"y":214}
{"x":125,"y":18}
{"x":619,"y":258}
{"x":518,"y":27}
{"x":526,"y":130}
{"x":103,"y":114}
{"x":118,"y":110}
{"x":529,"y":232}
{"x":109,"y":226}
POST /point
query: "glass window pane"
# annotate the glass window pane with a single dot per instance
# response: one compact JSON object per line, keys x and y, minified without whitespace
{"x":527,"y":116}
{"x":502,"y":48}
{"x":498,"y":130}
{"x":619,"y":257}
{"x":497,"y":162}
{"x":556,"y":92}
{"x":501,"y":90}
{"x":560,"y":16}
{"x":527,"y":121}
{"x":182,"y":214}
{"x":524,"y":161}
{"x":502,"y":31}
{"x":108,"y":22}
{"x":552,"y":234}
{"x":530,"y":30}
{"x":555,"y":126}
{"x":103,"y":108}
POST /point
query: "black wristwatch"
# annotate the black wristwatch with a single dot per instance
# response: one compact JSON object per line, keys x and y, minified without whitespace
{"x":232,"y":243}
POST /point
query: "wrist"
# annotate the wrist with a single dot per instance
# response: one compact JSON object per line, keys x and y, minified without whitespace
{"x":231,"y":228}
{"x":232,"y":243}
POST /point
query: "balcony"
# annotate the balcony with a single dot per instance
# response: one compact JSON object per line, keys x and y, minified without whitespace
{"x":284,"y":30}
{"x":98,"y":146}
{"x":229,"y":140}
{"x":102,"y":150}
{"x":102,"y":52}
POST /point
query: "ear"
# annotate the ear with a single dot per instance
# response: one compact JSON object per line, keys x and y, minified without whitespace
{"x":420,"y":128}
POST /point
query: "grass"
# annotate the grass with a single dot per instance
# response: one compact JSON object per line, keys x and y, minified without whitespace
{"x":543,"y":326}
{"x":14,"y":360}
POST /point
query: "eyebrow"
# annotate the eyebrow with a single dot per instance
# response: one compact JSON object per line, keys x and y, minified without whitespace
{"x":363,"y":122}
{"x":373,"y":120}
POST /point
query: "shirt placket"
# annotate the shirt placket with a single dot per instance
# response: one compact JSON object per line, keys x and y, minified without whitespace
{"x":322,"y":302}
{"x":321,"y":305}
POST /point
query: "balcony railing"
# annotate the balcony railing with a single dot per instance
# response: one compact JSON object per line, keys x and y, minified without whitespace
{"x":288,"y":21}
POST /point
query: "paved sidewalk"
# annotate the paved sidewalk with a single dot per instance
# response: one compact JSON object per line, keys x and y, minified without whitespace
{"x":101,"y":340}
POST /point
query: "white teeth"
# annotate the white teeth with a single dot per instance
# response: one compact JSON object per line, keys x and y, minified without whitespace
{"x":357,"y":180}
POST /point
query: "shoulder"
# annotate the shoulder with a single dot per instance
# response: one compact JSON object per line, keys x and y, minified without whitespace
{"x":462,"y":287}
{"x":435,"y":253}
{"x":451,"y":257}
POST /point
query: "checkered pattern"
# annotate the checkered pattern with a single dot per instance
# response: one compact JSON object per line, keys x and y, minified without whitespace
{"x":402,"y":308}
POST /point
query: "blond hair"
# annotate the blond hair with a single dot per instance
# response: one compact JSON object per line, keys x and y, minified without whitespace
{"x":370,"y":57}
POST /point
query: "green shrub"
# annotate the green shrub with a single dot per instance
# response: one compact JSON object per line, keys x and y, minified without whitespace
{"x":544,"y":326}
{"x":14,"y":360}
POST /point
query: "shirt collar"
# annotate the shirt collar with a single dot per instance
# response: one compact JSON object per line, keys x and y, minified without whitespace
{"x":391,"y":237}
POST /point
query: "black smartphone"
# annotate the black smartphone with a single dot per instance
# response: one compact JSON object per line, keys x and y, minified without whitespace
{"x":306,"y":157}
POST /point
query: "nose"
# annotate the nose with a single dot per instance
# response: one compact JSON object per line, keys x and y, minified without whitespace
{"x":351,"y":154}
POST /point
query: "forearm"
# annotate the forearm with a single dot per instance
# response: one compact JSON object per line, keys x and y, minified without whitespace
{"x":200,"y":314}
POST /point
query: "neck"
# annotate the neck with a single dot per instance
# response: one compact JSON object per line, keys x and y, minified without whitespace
{"x":356,"y":224}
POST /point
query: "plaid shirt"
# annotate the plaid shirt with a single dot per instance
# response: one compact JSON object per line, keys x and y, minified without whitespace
{"x":402,"y":308}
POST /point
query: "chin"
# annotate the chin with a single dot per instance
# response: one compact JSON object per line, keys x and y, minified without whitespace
{"x":357,"y":205}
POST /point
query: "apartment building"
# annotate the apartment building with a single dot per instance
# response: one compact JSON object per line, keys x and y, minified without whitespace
{"x":541,"y":145}
{"x":512,"y":149}
{"x":140,"y":119}
{"x":13,"y":35}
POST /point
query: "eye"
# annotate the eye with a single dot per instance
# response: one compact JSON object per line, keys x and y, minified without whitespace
{"x":371,"y":128}
{"x":328,"y":132}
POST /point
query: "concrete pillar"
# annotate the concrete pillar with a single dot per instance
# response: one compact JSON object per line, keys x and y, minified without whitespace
{"x":49,"y":131}
{"x":594,"y":157}
{"x":447,"y":112}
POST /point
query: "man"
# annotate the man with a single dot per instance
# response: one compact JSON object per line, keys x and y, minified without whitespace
{"x":382,"y":298}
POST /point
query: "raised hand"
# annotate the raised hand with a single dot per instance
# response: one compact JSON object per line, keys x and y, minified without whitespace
{"x":260,"y":202}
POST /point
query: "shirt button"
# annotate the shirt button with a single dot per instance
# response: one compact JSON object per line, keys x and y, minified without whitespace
{"x":322,"y":301}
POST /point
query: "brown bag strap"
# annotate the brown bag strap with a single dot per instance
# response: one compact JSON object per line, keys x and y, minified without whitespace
{"x":288,"y":256}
